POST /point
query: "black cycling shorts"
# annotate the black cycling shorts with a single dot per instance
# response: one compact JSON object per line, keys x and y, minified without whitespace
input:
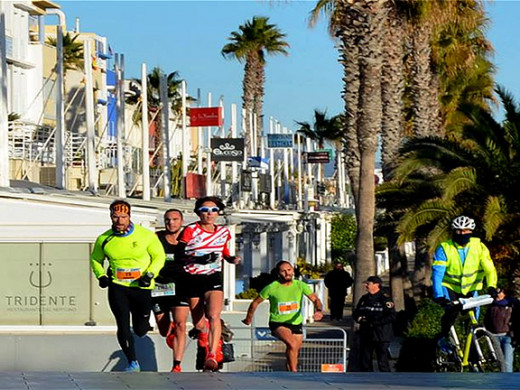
{"x":195,"y":286}
{"x":295,"y":329}
{"x":165,"y":303}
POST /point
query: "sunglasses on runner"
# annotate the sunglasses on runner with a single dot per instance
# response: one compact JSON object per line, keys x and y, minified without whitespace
{"x":209,"y":209}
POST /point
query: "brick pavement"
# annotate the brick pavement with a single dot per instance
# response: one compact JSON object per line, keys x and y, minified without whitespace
{"x":253,"y":381}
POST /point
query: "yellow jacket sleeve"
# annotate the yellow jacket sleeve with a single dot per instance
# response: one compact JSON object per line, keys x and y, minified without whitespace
{"x":157,"y":255}
{"x":489,"y":267}
{"x":97,"y":258}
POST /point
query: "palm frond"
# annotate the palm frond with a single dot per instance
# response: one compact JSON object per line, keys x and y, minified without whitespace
{"x":495,"y":215}
{"x":457,"y":181}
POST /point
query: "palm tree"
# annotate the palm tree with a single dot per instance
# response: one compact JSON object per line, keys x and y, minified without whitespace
{"x":347,"y":37}
{"x":447,"y":47}
{"x":72,"y":51}
{"x":154,"y":98}
{"x":322,"y":129}
{"x":359,"y":25}
{"x":460,"y":56}
{"x":255,"y":39}
{"x":475,"y":175}
{"x":450,"y":39}
{"x":154,"y":106}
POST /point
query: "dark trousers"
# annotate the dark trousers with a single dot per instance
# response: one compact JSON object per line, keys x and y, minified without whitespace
{"x":367,"y":349}
{"x":337,"y":303}
{"x":451,"y":313}
{"x":123,"y":301}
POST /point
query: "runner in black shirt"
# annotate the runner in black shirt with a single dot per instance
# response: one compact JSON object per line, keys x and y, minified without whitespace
{"x":164,"y":296}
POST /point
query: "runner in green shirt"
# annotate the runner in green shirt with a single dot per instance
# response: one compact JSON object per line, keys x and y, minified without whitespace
{"x":285,"y":297}
{"x":135,"y":256}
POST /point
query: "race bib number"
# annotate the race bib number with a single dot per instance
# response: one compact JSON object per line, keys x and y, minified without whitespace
{"x":163,"y":290}
{"x":128,"y":274}
{"x":288,"y":307}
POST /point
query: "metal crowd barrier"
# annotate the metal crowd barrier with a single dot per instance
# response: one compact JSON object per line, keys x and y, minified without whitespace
{"x":324,"y":349}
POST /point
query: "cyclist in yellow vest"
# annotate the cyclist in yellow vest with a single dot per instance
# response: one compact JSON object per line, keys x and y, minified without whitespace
{"x":135,"y":256}
{"x":459,"y":268}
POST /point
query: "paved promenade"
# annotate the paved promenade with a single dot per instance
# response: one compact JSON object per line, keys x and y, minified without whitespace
{"x":250,"y":381}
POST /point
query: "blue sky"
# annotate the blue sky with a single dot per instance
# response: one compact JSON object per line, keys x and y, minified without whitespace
{"x":187,"y":36}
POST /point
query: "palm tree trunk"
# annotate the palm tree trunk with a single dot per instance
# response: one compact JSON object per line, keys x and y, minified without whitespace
{"x":392,"y":87}
{"x":421,"y":278}
{"x":421,"y":73}
{"x":368,"y":130}
{"x":349,"y":60}
{"x":365,"y":263}
{"x":248,"y":85}
{"x":259,"y":102}
{"x":397,"y":272}
{"x":436,"y":126}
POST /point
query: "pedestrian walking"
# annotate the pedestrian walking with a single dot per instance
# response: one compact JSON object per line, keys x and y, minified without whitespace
{"x":375,"y":314}
{"x":337,"y":281}
{"x":503,"y":320}
{"x":135,"y":256}
{"x":285,"y":297}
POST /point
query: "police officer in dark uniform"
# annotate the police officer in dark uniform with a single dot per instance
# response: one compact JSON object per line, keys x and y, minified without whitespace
{"x":375,"y":314}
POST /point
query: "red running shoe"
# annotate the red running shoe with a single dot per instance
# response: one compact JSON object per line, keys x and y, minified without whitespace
{"x":211,"y":362}
{"x":176,"y":369}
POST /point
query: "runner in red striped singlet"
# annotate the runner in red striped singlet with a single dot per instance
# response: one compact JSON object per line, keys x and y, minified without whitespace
{"x":201,"y":248}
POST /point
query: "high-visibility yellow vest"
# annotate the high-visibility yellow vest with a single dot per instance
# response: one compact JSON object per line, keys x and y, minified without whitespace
{"x":477,"y":265}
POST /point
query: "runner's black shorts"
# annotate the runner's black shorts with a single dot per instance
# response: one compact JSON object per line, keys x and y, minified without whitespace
{"x":195,"y":286}
{"x":164,"y":304}
{"x":295,"y":329}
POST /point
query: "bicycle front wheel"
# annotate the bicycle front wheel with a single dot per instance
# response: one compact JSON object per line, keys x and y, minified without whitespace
{"x":486,"y":354}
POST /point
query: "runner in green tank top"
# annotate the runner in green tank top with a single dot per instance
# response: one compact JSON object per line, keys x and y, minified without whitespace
{"x":285,"y":297}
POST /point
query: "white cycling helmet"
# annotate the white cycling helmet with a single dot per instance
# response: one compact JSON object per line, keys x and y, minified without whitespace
{"x":462,"y":223}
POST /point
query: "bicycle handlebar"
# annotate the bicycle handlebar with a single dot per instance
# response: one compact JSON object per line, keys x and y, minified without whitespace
{"x":470,"y":303}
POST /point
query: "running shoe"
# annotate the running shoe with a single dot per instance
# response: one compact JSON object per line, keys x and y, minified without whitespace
{"x":133,"y":366}
{"x":211,"y":362}
{"x":176,"y":369}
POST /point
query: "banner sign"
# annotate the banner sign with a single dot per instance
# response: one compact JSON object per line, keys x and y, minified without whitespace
{"x":279,"y":140}
{"x":258,"y":162}
{"x":318,"y":157}
{"x":264,"y":334}
{"x":227,"y":149}
{"x":264,"y":183}
{"x":246,"y":181}
{"x":195,"y":185}
{"x":332,"y":368}
{"x":206,"y":116}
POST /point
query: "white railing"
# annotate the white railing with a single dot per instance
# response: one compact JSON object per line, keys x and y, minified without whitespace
{"x":35,"y":144}
{"x":31,"y":142}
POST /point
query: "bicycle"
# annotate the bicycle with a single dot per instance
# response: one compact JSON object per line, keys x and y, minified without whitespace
{"x":481,"y":351}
